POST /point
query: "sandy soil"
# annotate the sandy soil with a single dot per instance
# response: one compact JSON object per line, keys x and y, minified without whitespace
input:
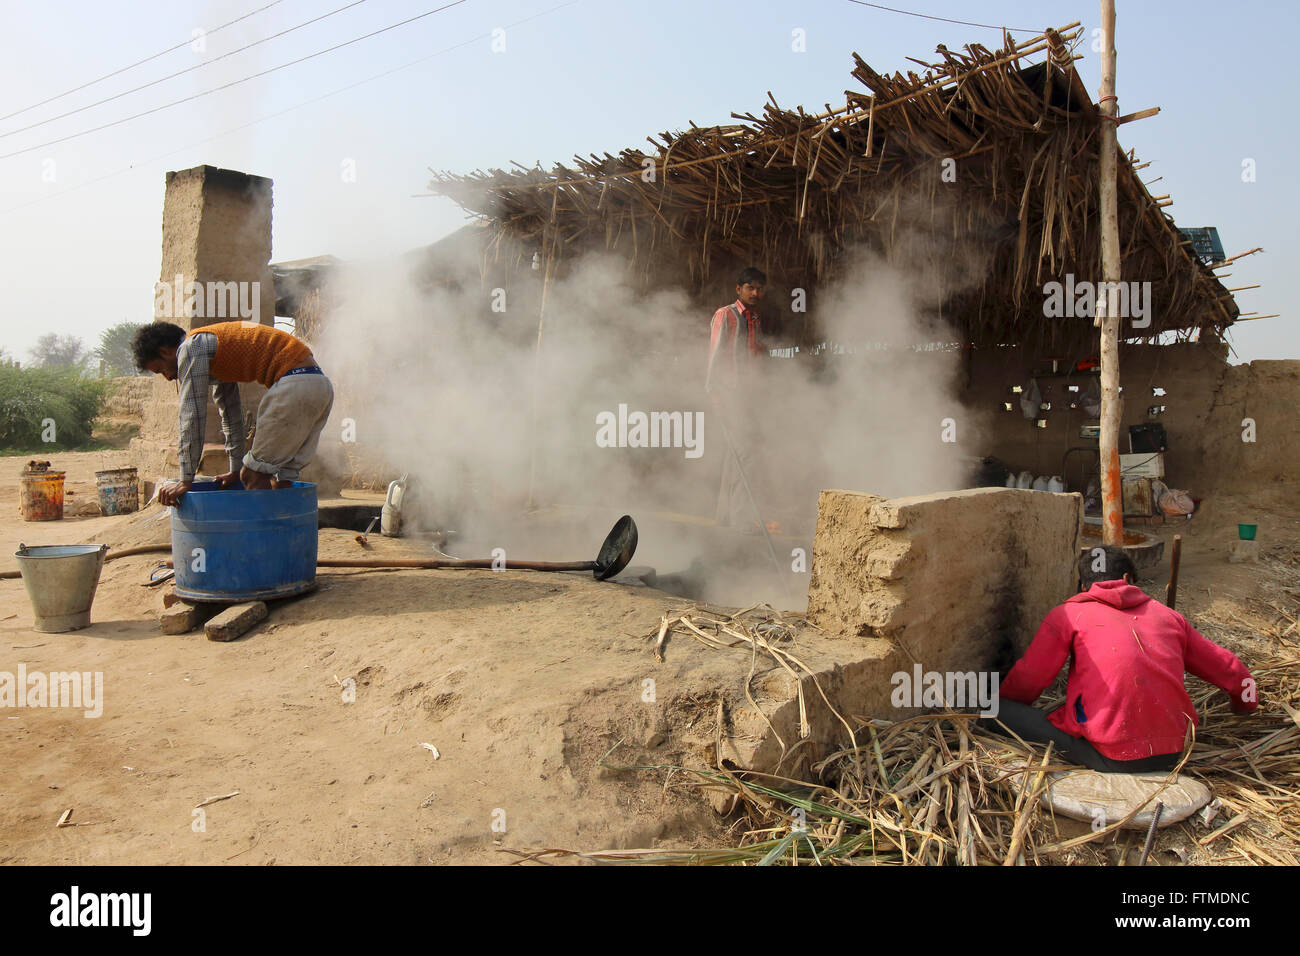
{"x":481,"y":665}
{"x":474,"y":663}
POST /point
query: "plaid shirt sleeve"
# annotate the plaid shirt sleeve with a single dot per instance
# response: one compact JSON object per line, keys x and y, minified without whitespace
{"x":192,"y":360}
{"x":226,"y":396}
{"x":192,"y":368}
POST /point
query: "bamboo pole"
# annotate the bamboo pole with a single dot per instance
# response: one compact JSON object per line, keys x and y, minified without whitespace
{"x":1140,"y":114}
{"x":1112,"y":511}
{"x":1249,"y":252}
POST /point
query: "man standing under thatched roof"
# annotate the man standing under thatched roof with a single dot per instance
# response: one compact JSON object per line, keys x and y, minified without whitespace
{"x":735,"y":353}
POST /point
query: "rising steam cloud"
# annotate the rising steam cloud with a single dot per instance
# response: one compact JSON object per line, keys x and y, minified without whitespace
{"x":495,"y":427}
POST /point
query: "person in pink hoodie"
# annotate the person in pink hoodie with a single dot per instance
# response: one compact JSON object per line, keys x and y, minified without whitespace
{"x":1126,"y":709}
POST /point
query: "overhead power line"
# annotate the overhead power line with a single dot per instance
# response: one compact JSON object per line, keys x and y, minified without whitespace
{"x":132,"y":66}
{"x":188,"y":69}
{"x":926,"y":16}
{"x":287,"y":109}
{"x":226,"y":86}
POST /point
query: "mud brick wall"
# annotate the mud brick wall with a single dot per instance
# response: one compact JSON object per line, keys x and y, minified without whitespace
{"x":1213,"y":454}
{"x":956,"y":581}
{"x":216,"y":228}
{"x":1202,"y":404}
{"x":127,"y":397}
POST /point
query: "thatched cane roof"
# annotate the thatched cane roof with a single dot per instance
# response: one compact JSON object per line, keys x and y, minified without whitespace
{"x":795,"y":192}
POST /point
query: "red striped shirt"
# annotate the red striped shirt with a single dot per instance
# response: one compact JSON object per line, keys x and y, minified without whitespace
{"x":724,"y":339}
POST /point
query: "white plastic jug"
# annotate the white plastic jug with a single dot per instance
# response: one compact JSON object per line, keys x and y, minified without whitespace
{"x":390,"y":516}
{"x":1055,"y":484}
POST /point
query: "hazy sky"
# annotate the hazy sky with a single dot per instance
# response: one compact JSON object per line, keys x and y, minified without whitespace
{"x":80,"y":220}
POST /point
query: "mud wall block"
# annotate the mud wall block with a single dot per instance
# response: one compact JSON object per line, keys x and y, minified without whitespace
{"x":957,"y":580}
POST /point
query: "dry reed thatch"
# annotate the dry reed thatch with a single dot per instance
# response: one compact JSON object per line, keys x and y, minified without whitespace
{"x":934,"y":789}
{"x":794,"y":192}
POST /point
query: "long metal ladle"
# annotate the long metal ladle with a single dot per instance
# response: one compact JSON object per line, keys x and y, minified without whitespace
{"x":615,"y":553}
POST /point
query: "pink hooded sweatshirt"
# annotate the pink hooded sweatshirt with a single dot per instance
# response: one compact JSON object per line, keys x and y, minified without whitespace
{"x":1125,"y":692}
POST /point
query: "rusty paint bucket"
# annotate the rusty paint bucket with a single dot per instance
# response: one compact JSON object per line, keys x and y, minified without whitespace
{"x":119,"y":491}
{"x":40,"y":495}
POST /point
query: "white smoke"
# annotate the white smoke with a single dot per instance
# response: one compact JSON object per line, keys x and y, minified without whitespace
{"x":501,"y":433}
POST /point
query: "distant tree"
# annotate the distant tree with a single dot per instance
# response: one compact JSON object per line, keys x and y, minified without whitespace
{"x":115,"y":349}
{"x":59,"y":351}
{"x":31,"y":399}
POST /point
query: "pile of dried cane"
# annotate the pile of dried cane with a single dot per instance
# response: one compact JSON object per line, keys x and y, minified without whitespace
{"x":933,"y":789}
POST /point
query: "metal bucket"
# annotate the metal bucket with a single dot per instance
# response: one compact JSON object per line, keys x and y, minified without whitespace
{"x":231,"y":546}
{"x":119,"y":491}
{"x":61,"y":582}
{"x":40,"y":495}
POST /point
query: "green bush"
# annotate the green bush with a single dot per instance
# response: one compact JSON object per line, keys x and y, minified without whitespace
{"x":29,"y":396}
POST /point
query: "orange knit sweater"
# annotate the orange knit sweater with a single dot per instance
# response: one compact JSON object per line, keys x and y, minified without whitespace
{"x":251,"y":352}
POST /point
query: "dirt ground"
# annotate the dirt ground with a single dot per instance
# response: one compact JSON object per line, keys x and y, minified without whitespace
{"x":476,"y":664}
{"x":463,"y":661}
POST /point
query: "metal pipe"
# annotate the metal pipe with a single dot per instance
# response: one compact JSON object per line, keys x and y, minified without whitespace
{"x":111,"y":556}
{"x":440,"y":563}
{"x":429,"y":563}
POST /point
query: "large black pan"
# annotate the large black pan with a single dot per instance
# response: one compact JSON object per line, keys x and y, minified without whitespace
{"x":617,"y":551}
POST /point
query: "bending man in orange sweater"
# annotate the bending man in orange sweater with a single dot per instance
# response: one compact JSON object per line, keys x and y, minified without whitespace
{"x":290,"y":416}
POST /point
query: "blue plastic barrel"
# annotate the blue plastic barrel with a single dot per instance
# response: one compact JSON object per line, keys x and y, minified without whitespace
{"x":235,"y":545}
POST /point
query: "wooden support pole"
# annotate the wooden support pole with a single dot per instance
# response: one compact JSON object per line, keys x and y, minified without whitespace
{"x":1112,"y":511}
{"x":1171,"y":589}
{"x":548,"y":254}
